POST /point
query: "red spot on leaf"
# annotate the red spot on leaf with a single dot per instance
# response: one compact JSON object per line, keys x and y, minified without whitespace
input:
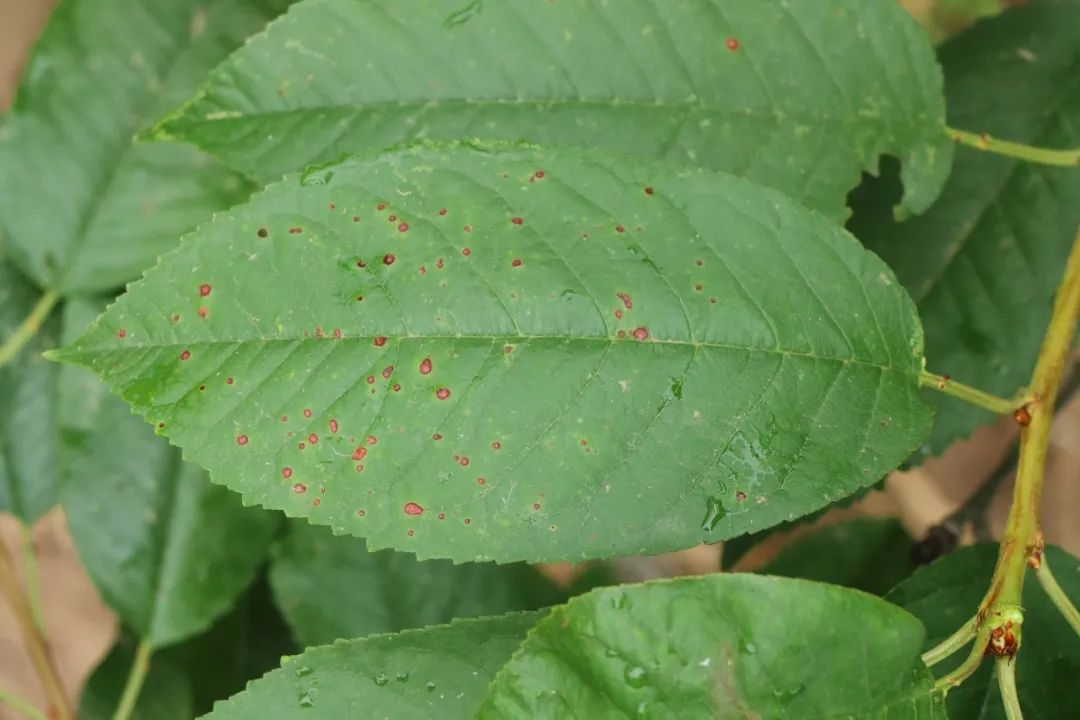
{"x":333,"y":425}
{"x":121,"y":333}
{"x":442,"y":393}
{"x":517,"y":220}
{"x":241,"y":440}
{"x":307,"y":412}
{"x":388,"y":259}
{"x":625,"y":300}
{"x":496,"y":445}
{"x":437,"y":437}
{"x":185,"y":355}
{"x":641,"y":333}
{"x":229,"y":381}
{"x":371,"y":439}
{"x":286,"y":472}
{"x":732,"y":44}
{"x":359,"y":453}
{"x":442,"y":212}
{"x":412,"y":508}
{"x":380,"y":340}
{"x":425,"y":366}
{"x":203,"y":312}
{"x":299,"y":488}
{"x":387,"y":372}
{"x":204,"y":289}
{"x":466,"y":252}
{"x":649,"y":190}
{"x":481,"y":481}
{"x":516,"y":262}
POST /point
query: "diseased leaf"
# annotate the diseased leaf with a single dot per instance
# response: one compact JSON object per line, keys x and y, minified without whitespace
{"x":332,"y":587}
{"x":168,"y":551}
{"x":720,"y":646}
{"x":982,"y":263}
{"x":165,"y":695}
{"x":583,"y":356}
{"x":29,"y":445}
{"x":81,"y":209}
{"x":867,"y":554}
{"x":782,"y":92}
{"x":947,"y":593}
{"x":438,"y":672}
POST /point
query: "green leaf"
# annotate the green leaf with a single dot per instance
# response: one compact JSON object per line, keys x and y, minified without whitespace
{"x":29,"y":445}
{"x":788,"y":94}
{"x":617,"y":357}
{"x":165,"y":695}
{"x":947,"y":593}
{"x":867,"y":554}
{"x":983,"y":263}
{"x":332,"y":587}
{"x":168,"y":551}
{"x":719,"y":646}
{"x":242,"y":645}
{"x":81,"y":209}
{"x":438,"y":672}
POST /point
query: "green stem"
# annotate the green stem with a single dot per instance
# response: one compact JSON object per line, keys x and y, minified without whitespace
{"x":993,"y":403}
{"x":1006,"y":672}
{"x":1022,"y":536}
{"x":135,"y":681}
{"x":951,"y":644}
{"x":1057,"y":595}
{"x":29,"y":327}
{"x":20,"y":705}
{"x":970,"y":664}
{"x":33,"y":583}
{"x":1042,"y":156}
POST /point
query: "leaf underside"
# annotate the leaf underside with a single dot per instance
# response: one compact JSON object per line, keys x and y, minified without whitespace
{"x":331,"y":587}
{"x":784,"y":93}
{"x":721,"y":646}
{"x":542,"y":355}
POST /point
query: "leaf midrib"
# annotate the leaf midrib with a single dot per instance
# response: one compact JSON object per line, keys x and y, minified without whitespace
{"x":177,"y":120}
{"x":76,"y":353}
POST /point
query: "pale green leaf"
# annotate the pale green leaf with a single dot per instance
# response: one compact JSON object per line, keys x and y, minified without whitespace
{"x":983,"y":263}
{"x":81,"y":209}
{"x":795,"y":95}
{"x":870,"y":554}
{"x":720,"y":646}
{"x":438,"y":672}
{"x":947,"y":593}
{"x":168,"y":551}
{"x":332,"y":587}
{"x":584,"y":356}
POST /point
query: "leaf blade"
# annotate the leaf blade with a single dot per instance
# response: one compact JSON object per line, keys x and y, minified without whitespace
{"x":331,"y":587}
{"x":404,"y":675}
{"x":747,"y":88}
{"x":493,"y":346}
{"x":82,"y":209}
{"x":718,"y":646}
